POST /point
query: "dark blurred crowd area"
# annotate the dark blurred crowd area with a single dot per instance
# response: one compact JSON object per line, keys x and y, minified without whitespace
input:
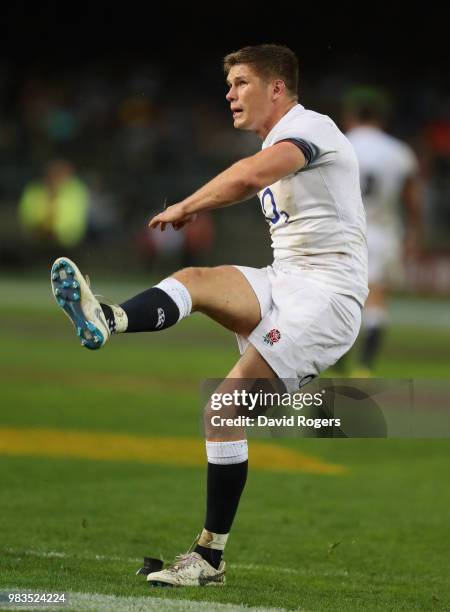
{"x":88,"y":153}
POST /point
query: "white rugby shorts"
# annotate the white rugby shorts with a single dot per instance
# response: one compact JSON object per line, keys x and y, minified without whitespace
{"x":385,"y":256}
{"x":305,"y":326}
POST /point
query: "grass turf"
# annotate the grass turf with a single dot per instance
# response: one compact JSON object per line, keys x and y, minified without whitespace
{"x":376,"y":538}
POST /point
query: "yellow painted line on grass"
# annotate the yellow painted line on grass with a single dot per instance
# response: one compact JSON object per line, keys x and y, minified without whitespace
{"x":159,"y":450}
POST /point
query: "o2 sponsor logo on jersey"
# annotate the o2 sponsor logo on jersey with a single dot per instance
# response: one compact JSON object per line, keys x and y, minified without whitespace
{"x":270,"y":210}
{"x":272,"y":337}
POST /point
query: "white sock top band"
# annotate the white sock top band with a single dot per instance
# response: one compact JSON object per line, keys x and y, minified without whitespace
{"x":216,"y":541}
{"x":179,"y":294}
{"x":227,"y":453}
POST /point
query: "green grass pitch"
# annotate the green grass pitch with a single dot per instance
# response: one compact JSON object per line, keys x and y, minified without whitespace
{"x":376,"y":537}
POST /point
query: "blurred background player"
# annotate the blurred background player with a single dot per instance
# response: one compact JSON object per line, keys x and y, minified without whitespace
{"x":391,"y":196}
{"x":55,"y":209}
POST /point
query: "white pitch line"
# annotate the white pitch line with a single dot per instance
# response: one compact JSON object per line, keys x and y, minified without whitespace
{"x":253,"y":567}
{"x":77,"y":601}
{"x":61,"y":555}
{"x":93,"y":601}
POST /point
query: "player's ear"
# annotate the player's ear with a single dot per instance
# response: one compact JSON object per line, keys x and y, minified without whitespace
{"x":278,"y":88}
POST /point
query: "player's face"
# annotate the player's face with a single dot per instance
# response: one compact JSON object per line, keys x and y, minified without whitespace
{"x":249,"y":97}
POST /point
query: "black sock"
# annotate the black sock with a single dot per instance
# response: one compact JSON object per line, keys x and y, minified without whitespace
{"x":151,"y":310}
{"x":214,"y":557}
{"x":109,"y":316}
{"x":225,"y":484}
{"x":371,"y":345}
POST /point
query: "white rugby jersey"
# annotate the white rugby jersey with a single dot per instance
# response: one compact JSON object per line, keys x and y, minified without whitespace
{"x":316,"y":216}
{"x":384,"y":165}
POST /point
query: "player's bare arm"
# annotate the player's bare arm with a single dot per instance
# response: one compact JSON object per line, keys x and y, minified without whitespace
{"x":237,"y":183}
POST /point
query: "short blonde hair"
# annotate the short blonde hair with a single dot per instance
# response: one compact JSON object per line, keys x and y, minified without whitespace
{"x":268,"y":61}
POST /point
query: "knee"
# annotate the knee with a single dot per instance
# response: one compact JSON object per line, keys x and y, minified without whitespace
{"x":221,"y":425}
{"x":196,"y":281}
{"x":187,"y":276}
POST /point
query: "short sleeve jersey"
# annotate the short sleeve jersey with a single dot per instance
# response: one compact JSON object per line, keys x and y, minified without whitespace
{"x":316,"y":215}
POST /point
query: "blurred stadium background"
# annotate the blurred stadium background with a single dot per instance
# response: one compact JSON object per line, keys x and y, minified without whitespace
{"x":362,"y":524}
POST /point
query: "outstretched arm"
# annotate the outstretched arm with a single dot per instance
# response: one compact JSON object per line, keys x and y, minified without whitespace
{"x":239,"y":182}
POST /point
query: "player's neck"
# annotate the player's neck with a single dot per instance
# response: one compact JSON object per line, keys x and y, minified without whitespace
{"x":275,"y":117}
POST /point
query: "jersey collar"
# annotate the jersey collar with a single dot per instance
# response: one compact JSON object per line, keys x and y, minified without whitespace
{"x":295,"y":109}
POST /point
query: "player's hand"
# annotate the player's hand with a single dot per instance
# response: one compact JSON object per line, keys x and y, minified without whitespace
{"x":175,"y":215}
